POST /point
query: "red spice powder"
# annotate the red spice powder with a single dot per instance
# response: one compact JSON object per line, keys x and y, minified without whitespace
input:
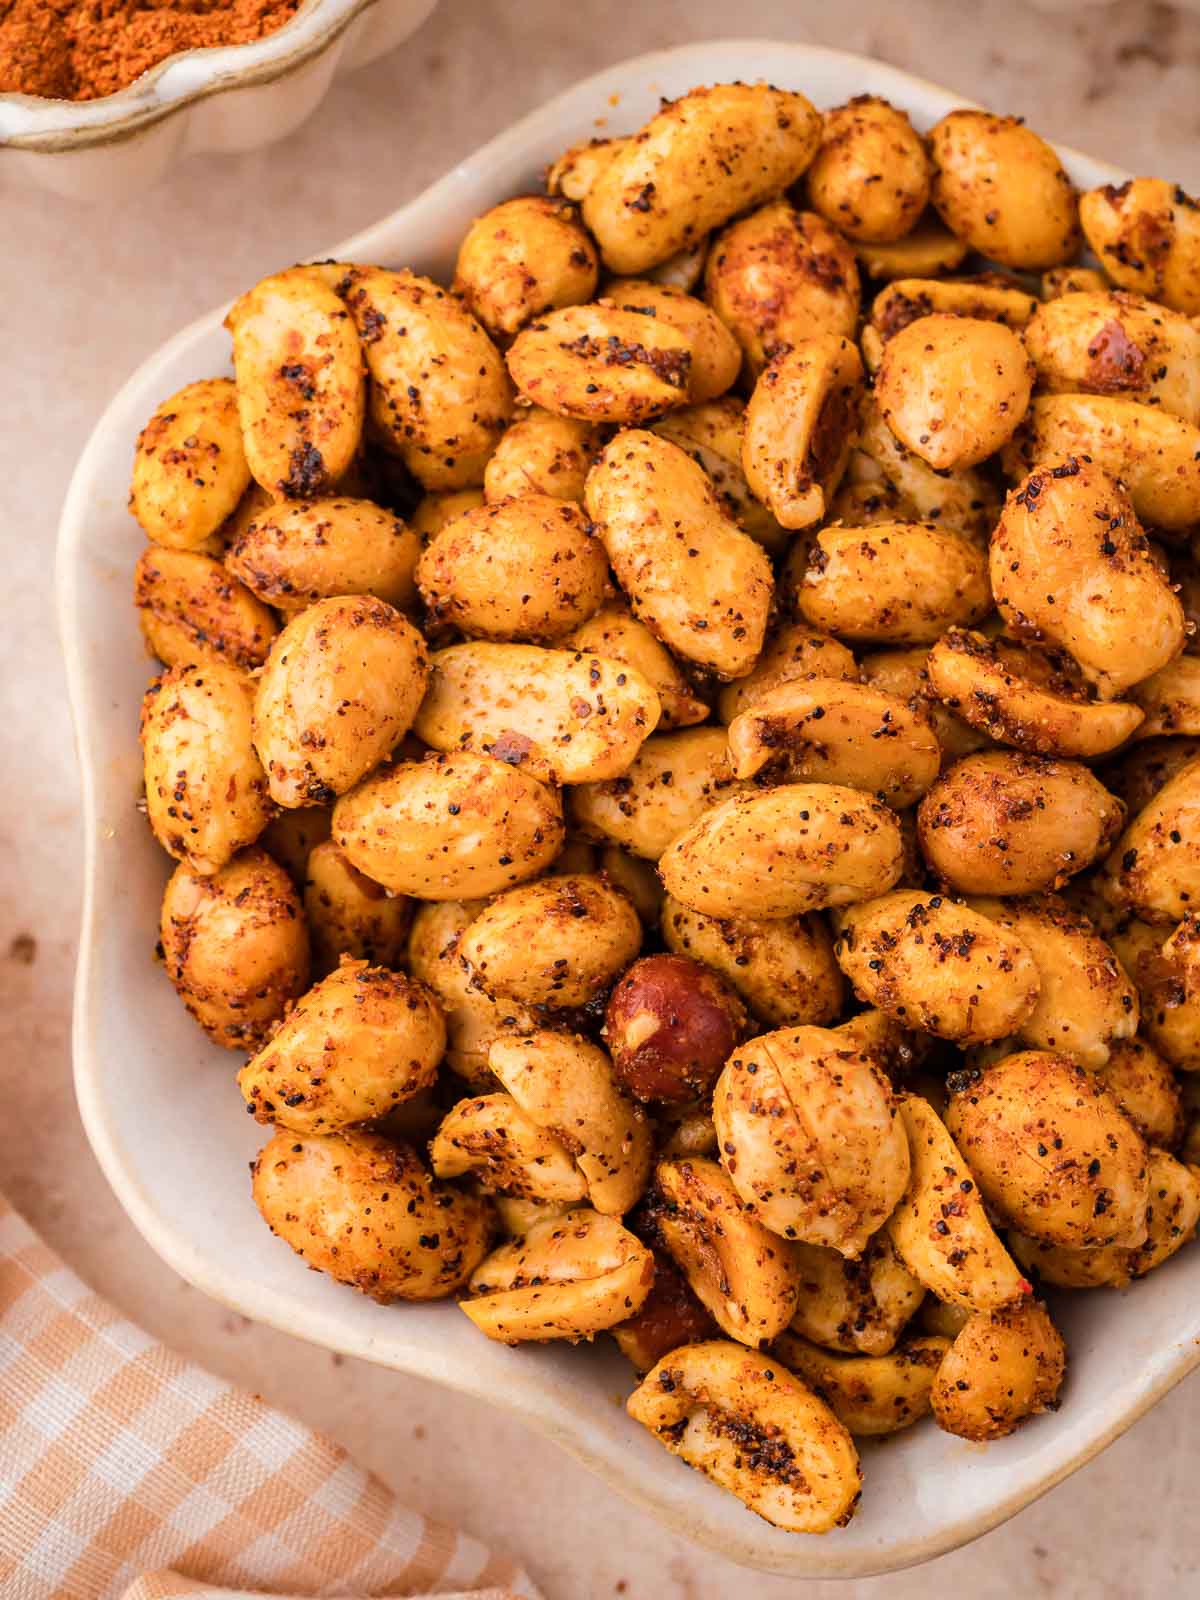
{"x":82,"y":49}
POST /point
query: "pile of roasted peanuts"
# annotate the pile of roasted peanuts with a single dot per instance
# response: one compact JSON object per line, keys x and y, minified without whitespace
{"x":684,"y":854}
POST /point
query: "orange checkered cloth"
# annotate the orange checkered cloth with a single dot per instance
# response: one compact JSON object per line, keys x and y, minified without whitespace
{"x":128,"y":1474}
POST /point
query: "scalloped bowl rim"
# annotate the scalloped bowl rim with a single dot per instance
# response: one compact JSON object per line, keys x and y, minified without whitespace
{"x":540,"y":1387}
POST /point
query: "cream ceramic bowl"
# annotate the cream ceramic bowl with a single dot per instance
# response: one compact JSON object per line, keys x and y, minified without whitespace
{"x":219,"y":101}
{"x":165,"y":1118}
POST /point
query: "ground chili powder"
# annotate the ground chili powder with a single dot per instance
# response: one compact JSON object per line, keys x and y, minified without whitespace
{"x":82,"y":49}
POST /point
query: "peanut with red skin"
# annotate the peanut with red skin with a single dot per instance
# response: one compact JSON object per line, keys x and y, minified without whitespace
{"x":670,"y":1026}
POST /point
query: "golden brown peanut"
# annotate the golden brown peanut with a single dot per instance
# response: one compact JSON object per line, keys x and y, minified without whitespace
{"x":577,"y":169}
{"x":439,"y":394}
{"x":929,"y":249}
{"x":601,"y":364}
{"x":670,"y":1317}
{"x":1086,"y":1002}
{"x":938,"y":965}
{"x":827,"y":730}
{"x":795,"y":653}
{"x":517,"y":1215}
{"x":669,"y":1026}
{"x":1184,"y":573}
{"x":292,"y":836}
{"x":235,"y":946}
{"x":300,"y":382}
{"x":253,"y":502}
{"x":783,"y":851}
{"x":671,"y":782}
{"x":1058,"y":281}
{"x":1172,"y":1215}
{"x":637,"y":878}
{"x":1003,"y":1367}
{"x":860,"y":1306}
{"x":870,"y":177}
{"x":352,"y":1049}
{"x":1146,"y":234}
{"x":1169,"y":982}
{"x":701,"y":160}
{"x":521,"y":258}
{"x":683,"y":270}
{"x":568,"y":1086}
{"x":870,"y":342}
{"x":712,"y":435}
{"x":865,"y":497}
{"x":473,"y":1019}
{"x":691,"y":1133}
{"x":898,"y":1050}
{"x":754,"y":1429}
{"x":869,"y":1395}
{"x":809,"y":1136}
{"x":350,"y":915}
{"x":1144,"y":1087}
{"x":616,"y":634}
{"x":953,"y":389}
{"x":491,"y":1139}
{"x":364,"y":1210}
{"x":940,"y":1229}
{"x":570,"y":716}
{"x":964,"y":500}
{"x":1118,"y":343}
{"x":902,"y":672}
{"x":1155,"y":455}
{"x":1171,"y":1218}
{"x":1051,"y":1150}
{"x":1070,"y":565}
{"x":1166,"y":971}
{"x":1025,"y":697}
{"x":1000,"y":822}
{"x":521,"y":569}
{"x":800,"y":427}
{"x":1170,"y":699}
{"x":192,"y":610}
{"x":450,"y":827}
{"x":1137,"y":773}
{"x":716,"y":356}
{"x":339,"y":691}
{"x":1136,"y":942}
{"x":435,"y":510}
{"x":746,"y":1276}
{"x":189,"y":468}
{"x":560,"y":942}
{"x":568,"y":1277}
{"x":990,"y":298}
{"x":944,"y":1320}
{"x":895,"y":583}
{"x":698,"y":582}
{"x":206,"y":791}
{"x":540,"y":453}
{"x":293,"y":554}
{"x":1154,"y":868}
{"x":1003,"y":190}
{"x":779,"y":275}
{"x":783,"y":969}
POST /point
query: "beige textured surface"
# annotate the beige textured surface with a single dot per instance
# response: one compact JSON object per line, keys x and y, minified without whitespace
{"x":85,"y":297}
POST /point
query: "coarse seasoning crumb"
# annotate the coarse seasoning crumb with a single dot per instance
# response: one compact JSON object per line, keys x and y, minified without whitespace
{"x":84,"y":49}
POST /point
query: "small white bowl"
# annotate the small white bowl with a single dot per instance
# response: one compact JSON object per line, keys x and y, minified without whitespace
{"x":217,"y":101}
{"x":160,"y":1105}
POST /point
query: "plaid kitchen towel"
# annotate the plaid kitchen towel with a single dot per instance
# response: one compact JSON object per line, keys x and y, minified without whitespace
{"x":128,"y":1474}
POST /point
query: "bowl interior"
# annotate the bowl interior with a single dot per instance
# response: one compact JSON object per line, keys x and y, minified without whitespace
{"x":162,"y":1110}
